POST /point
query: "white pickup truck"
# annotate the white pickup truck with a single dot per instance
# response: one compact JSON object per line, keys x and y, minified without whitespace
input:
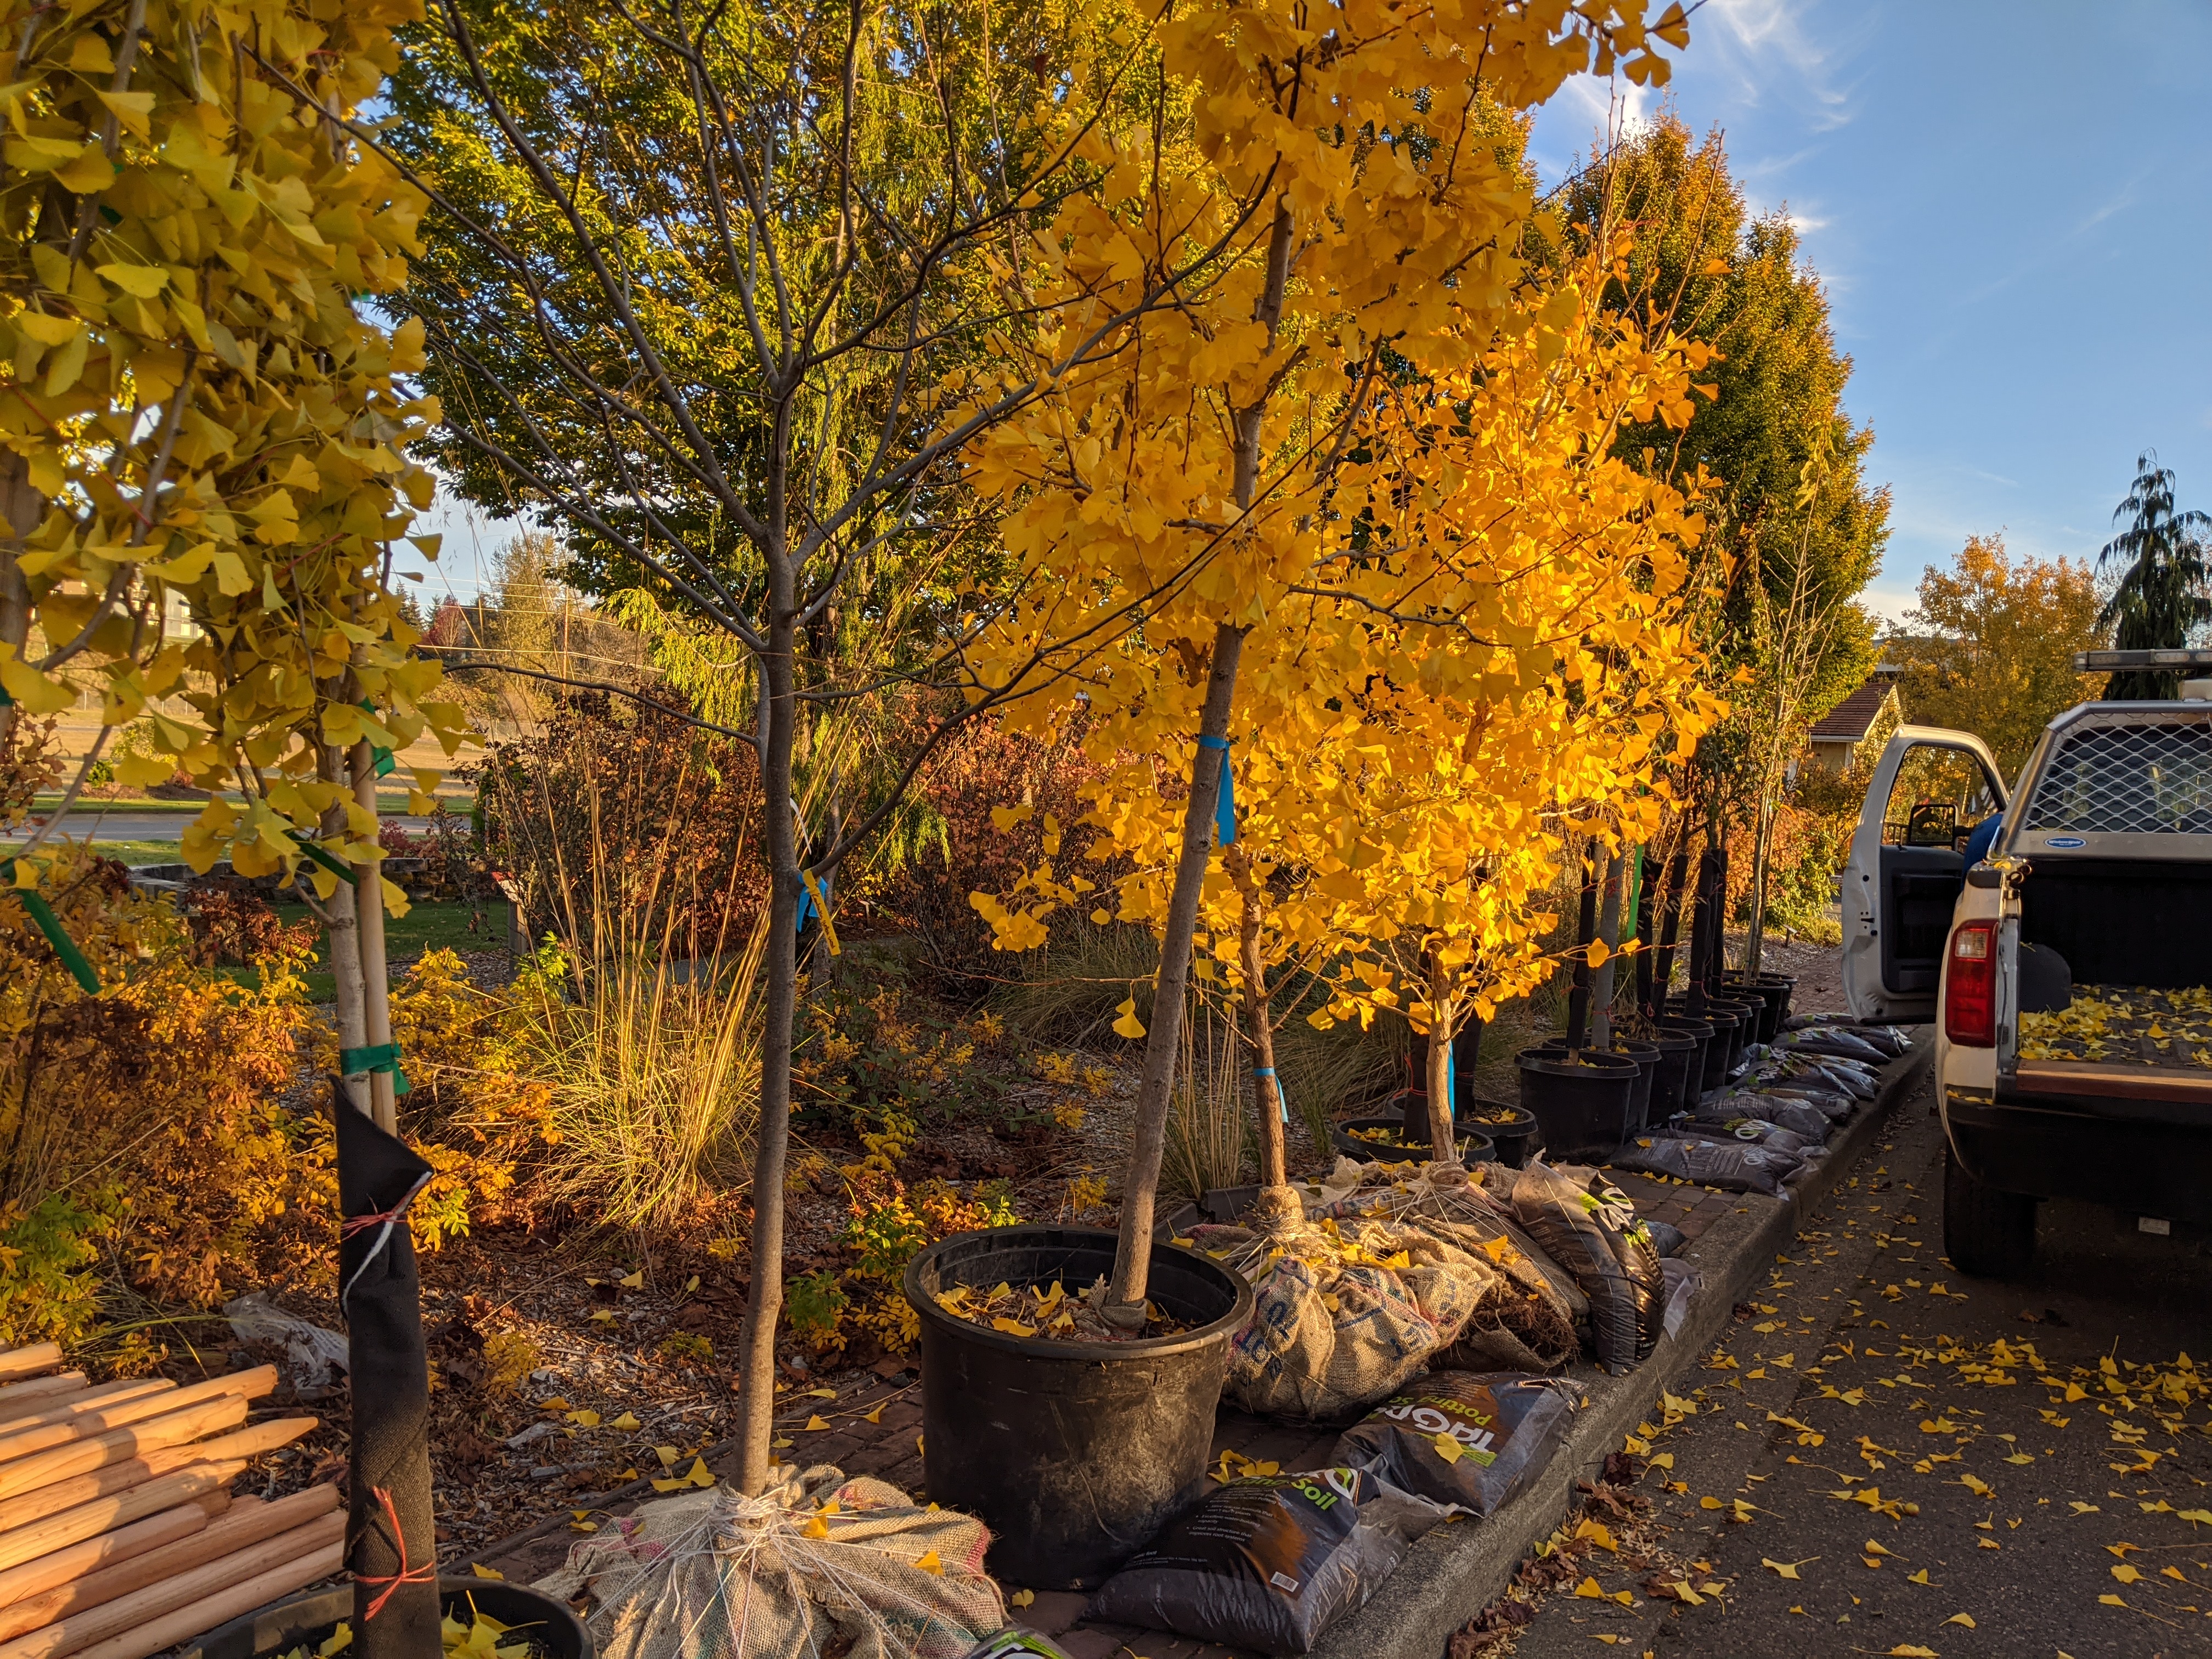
{"x":2069,"y":967}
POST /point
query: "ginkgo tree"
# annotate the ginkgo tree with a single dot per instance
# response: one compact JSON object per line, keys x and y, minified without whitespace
{"x":1236,"y":453}
{"x":201,"y":423}
{"x":1501,"y":662}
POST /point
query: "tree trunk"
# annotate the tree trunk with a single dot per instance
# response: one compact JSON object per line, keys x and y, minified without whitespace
{"x":1578,"y":1000}
{"x":1670,"y":921}
{"x":20,"y":509}
{"x":1443,"y":1136}
{"x":1762,"y":843}
{"x":1609,"y":933}
{"x":1141,"y":1178}
{"x":1269,"y":1099}
{"x":1701,"y":935}
{"x":350,"y":992}
{"x":1647,"y":899}
{"x":368,"y":926}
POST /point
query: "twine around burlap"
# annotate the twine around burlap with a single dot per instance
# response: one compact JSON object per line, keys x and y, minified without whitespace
{"x":818,"y":1565}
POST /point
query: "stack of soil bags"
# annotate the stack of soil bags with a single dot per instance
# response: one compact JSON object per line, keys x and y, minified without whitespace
{"x":817,"y":1565}
{"x":118,"y":1534}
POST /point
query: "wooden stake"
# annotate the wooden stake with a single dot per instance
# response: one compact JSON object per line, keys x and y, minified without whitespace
{"x":27,"y":1507}
{"x":15,"y":1396}
{"x":65,"y":1408}
{"x":221,"y":1607}
{"x":89,"y":1519}
{"x":111,"y":1549}
{"x":375,"y":973}
{"x":53,"y":1429}
{"x":133,"y":1611}
{"x":249,"y":1522}
{"x":29,"y":1362}
{"x":88,"y":1451}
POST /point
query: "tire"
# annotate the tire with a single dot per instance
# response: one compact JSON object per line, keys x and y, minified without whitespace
{"x":1987,"y":1233}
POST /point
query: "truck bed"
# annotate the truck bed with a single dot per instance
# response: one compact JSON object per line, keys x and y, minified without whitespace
{"x":2134,"y":1041}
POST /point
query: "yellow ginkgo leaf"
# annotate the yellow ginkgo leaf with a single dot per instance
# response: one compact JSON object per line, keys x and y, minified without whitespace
{"x":634,"y":1282}
{"x":1920,"y":1577}
{"x":817,"y":1424}
{"x":1591,"y":1589}
{"x":483,"y":1571}
{"x":822,"y":1394}
{"x":929,"y":1563}
{"x":2126,"y":1574}
{"x":1965,"y":1618}
{"x":1447,"y":1448}
{"x":627,"y":1420}
{"x":1782,"y":1569}
{"x":1021,"y":1598}
{"x":1128,"y":1025}
{"x":668,"y":1455}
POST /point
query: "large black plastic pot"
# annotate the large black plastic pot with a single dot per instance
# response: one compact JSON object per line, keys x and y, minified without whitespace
{"x":1748,"y":1011}
{"x":1074,"y":1454}
{"x":1510,"y":1130}
{"x":1719,"y":1047}
{"x":1676,"y":1084}
{"x":1472,"y":1148}
{"x":1773,"y":990}
{"x":1581,"y":1109}
{"x":1646,"y":1057}
{"x":308,"y":1618}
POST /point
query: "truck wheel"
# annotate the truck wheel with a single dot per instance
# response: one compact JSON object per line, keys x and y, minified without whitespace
{"x":1987,"y":1233}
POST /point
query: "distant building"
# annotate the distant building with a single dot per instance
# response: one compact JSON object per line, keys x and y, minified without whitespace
{"x":1856,"y":728}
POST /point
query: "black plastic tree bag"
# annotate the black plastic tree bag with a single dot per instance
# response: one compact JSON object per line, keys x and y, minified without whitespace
{"x":393,"y":1548}
{"x":1801,"y":1117}
{"x":1467,"y":1438}
{"x":1564,"y":1219}
{"x":1269,"y":1561}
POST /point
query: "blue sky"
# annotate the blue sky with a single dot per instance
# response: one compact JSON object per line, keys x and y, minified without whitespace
{"x":2008,"y":205}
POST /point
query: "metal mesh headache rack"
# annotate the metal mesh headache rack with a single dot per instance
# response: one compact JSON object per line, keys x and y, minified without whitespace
{"x":2122,"y":773}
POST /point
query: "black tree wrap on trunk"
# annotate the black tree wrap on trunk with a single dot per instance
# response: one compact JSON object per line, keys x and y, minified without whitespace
{"x":1578,"y":1000}
{"x":1716,"y":957}
{"x":1670,"y":927}
{"x":1647,"y":902}
{"x":391,"y":1547}
{"x":1701,"y":935}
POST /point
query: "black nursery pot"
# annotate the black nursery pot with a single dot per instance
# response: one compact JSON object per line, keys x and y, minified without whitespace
{"x":1773,"y":990}
{"x":1073,"y":1453}
{"x":1511,"y":1141}
{"x":1748,"y":1011}
{"x":1676,"y":1082}
{"x":1472,"y":1148}
{"x":1581,"y":1110}
{"x":1720,"y":1046}
{"x":309,"y":1618}
{"x":1646,"y":1057}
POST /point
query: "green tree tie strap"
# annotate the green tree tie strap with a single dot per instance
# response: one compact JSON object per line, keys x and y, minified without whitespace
{"x":378,"y":1057}
{"x":48,"y":923}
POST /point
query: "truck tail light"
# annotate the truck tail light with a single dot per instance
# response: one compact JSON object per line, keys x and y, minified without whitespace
{"x":1969,"y":986}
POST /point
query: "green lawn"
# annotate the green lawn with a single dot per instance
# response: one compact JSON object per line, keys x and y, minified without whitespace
{"x":425,"y":928}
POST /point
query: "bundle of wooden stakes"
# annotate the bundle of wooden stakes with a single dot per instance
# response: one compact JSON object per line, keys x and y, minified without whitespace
{"x":118,"y":1534}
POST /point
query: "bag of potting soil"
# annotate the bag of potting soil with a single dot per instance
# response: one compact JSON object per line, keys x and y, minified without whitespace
{"x":1733,"y":1167}
{"x":1472,"y":1440}
{"x":1015,"y":1642}
{"x":1268,"y":1562}
{"x":1632,"y":1246}
{"x":1799,"y":1116}
{"x":817,"y":1564}
{"x":1343,"y":1311}
{"x":1527,"y":1320}
{"x":1666,"y":1238}
{"x":1835,"y":1041}
{"x":1565,"y":1220}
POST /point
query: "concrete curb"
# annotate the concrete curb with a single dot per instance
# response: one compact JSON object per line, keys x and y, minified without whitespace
{"x":1458,"y":1569}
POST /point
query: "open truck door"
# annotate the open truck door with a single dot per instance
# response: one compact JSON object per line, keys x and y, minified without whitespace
{"x":1903,"y":882}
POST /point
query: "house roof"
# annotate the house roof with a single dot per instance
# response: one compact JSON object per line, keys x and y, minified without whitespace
{"x":1849,"y":720}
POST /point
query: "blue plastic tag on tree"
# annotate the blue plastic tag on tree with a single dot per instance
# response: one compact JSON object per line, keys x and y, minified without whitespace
{"x":1224,"y":805}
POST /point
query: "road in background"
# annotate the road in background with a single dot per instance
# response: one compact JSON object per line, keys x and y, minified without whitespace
{"x":2052,"y":1433}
